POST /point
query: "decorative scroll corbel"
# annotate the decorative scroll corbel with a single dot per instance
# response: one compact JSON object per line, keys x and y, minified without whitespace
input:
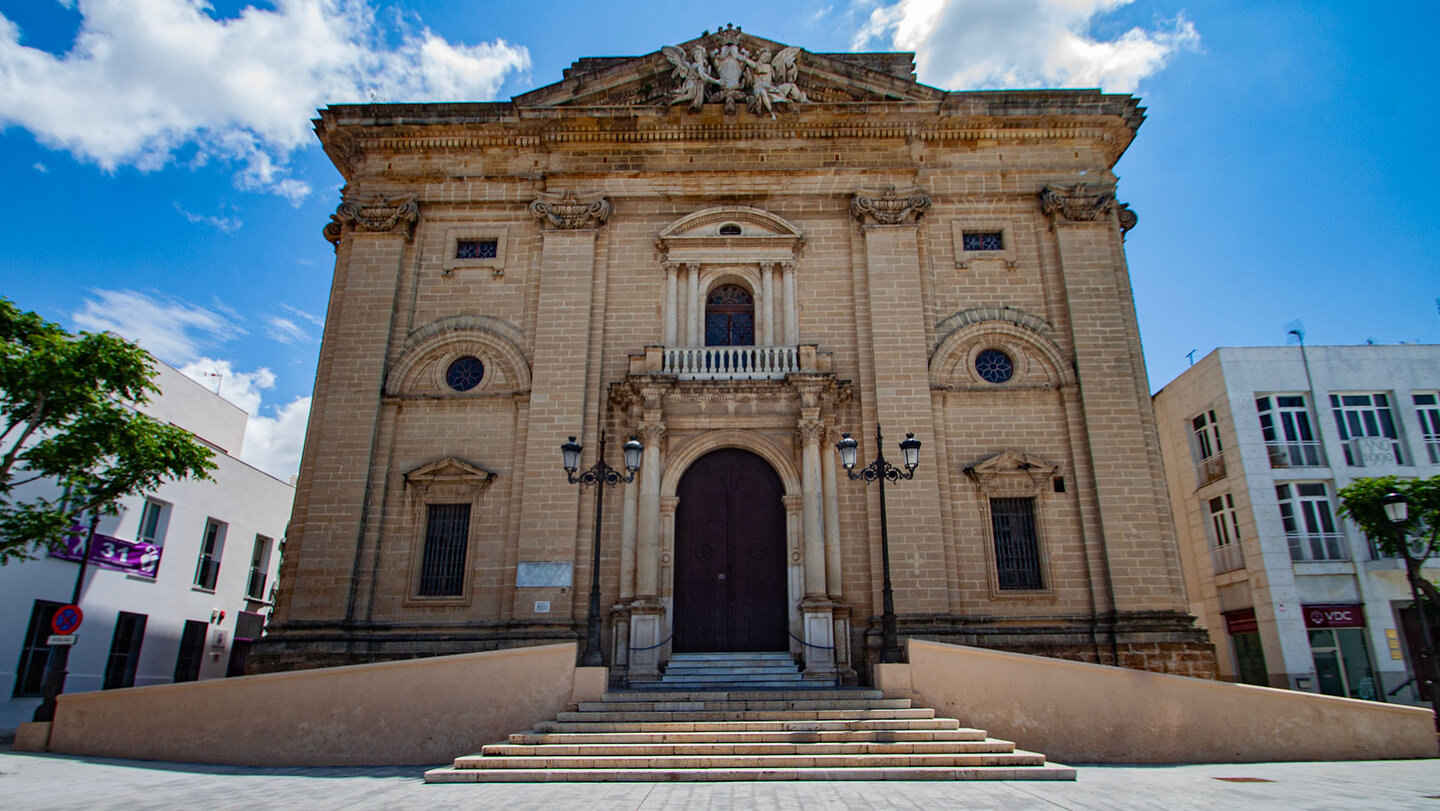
{"x":566,"y":211}
{"x":1077,"y":203}
{"x":890,"y":205}
{"x":1128,"y":218}
{"x":377,"y":215}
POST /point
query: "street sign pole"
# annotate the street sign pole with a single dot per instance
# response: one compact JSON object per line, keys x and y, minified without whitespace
{"x":55,"y":671}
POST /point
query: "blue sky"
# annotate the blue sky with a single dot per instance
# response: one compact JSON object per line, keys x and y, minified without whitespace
{"x":162,"y":180}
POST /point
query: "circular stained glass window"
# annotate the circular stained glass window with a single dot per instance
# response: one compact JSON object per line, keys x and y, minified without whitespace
{"x":994,"y":366}
{"x":465,"y":373}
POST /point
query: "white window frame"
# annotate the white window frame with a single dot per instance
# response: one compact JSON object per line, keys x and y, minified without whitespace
{"x":161,"y":522}
{"x":1427,"y":413}
{"x":1224,"y":533}
{"x":1311,"y":528}
{"x":212,"y":547}
{"x":1289,"y":431}
{"x":1363,"y":428}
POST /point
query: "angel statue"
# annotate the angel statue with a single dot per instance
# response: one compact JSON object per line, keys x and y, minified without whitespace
{"x":693,"y":76}
{"x":773,"y":80}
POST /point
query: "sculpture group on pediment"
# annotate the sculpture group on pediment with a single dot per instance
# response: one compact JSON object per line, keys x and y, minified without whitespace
{"x":732,"y":75}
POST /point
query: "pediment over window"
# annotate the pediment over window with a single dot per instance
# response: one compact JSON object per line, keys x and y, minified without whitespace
{"x":449,"y":471}
{"x":730,"y":233}
{"x":1013,"y":472}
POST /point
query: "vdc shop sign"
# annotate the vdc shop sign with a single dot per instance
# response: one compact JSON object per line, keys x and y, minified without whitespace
{"x":1335,"y":615}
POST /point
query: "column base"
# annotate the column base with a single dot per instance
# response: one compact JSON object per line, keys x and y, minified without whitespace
{"x":647,"y":626}
{"x":818,"y":630}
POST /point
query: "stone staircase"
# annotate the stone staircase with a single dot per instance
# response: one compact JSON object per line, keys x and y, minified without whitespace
{"x":733,"y":717}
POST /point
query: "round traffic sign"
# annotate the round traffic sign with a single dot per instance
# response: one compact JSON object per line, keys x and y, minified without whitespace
{"x":67,"y":619}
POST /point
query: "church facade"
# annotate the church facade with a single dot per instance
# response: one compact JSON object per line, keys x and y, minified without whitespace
{"x":734,"y":252}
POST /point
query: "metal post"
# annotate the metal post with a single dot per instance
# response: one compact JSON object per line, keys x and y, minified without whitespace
{"x":1427,"y":648}
{"x":889,"y":632}
{"x":594,"y":656}
{"x":55,"y":667}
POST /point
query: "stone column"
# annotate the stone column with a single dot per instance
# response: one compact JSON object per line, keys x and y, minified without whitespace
{"x":810,"y":431}
{"x":672,"y":300}
{"x":549,"y":508}
{"x":767,"y":312}
{"x":1136,"y":531}
{"x":792,"y":306}
{"x":647,"y":559}
{"x":902,"y":398}
{"x":696,"y":307}
{"x":830,"y":496}
{"x":330,"y":522}
{"x":628,"y":513}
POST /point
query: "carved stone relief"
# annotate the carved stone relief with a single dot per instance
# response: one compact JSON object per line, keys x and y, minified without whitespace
{"x":1077,"y":203}
{"x":890,"y":205}
{"x":377,"y":215}
{"x":731,"y":74}
{"x":566,"y":211}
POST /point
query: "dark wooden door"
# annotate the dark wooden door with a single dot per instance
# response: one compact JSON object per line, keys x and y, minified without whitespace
{"x":730,"y":590}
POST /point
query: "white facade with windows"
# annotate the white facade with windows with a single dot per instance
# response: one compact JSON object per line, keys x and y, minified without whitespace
{"x":1256,"y":443}
{"x":174,"y":561}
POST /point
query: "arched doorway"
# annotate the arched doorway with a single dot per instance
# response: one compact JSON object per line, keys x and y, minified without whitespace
{"x":730,"y":587}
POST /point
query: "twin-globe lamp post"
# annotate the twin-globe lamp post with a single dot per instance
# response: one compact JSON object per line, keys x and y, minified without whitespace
{"x":1397,"y":509}
{"x":882,"y":471}
{"x":602,"y":474}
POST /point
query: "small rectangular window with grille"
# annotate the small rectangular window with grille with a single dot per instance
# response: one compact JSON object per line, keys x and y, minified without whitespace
{"x":982,"y":241}
{"x":476,"y":248}
{"x":442,"y":567}
{"x":35,"y":654}
{"x":124,"y":650}
{"x":1017,"y":545}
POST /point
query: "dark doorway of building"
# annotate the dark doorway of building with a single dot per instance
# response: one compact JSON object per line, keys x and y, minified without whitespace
{"x":730,"y":317}
{"x":730,"y":590}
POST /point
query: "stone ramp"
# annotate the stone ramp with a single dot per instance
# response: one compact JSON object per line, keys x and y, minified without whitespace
{"x":665,"y":733}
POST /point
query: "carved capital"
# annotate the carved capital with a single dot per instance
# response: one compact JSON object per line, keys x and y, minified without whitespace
{"x":567,"y":212}
{"x":652,"y":433}
{"x":1079,"y":203}
{"x":377,"y":215}
{"x":809,"y":431}
{"x":1128,"y":218}
{"x":890,"y":205}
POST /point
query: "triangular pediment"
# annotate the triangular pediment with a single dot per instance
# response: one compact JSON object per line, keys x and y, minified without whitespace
{"x":449,"y":470}
{"x":1010,"y":462}
{"x":733,"y":62}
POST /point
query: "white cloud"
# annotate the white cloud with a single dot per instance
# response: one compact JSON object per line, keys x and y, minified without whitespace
{"x":285,"y":330}
{"x":171,"y":329}
{"x":146,"y":78}
{"x":42,"y":168}
{"x":272,"y":441}
{"x":967,"y":44}
{"x":227,"y":224}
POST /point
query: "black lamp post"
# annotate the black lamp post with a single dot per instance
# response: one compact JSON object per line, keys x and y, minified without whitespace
{"x":598,"y":473}
{"x":1397,"y":509}
{"x":882,"y":471}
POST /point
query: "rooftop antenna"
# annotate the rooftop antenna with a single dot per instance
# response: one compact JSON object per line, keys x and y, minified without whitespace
{"x":1297,"y":329}
{"x":219,"y":379}
{"x":1191,"y":356}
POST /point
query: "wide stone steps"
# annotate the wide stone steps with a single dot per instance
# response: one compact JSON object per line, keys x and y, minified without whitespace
{"x":679,"y":730}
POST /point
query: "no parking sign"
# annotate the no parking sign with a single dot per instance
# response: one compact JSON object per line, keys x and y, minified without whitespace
{"x":67,"y":619}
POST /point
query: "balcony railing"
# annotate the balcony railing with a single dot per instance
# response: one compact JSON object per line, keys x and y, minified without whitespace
{"x":1369,"y":451}
{"x":1296,"y":454}
{"x":207,"y":572}
{"x":1432,"y":446}
{"x":731,"y":362}
{"x":255,"y":587}
{"x":1209,"y":469}
{"x":1318,"y":546}
{"x":1227,"y":558}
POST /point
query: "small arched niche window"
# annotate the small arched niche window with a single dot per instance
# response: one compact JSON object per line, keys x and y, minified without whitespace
{"x":730,"y":317}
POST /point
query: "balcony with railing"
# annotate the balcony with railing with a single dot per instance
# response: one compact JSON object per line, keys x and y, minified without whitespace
{"x":1227,"y":558}
{"x":255,"y":586}
{"x":730,"y":362}
{"x":1317,"y":546}
{"x":1296,"y":454}
{"x":1209,"y":469}
{"x":207,"y":572}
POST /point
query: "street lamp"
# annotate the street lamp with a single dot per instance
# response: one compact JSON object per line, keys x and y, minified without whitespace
{"x":882,"y":471}
{"x":1397,"y":509}
{"x":603,"y":474}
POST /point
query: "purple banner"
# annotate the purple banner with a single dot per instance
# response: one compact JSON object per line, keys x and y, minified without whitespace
{"x":132,"y":557}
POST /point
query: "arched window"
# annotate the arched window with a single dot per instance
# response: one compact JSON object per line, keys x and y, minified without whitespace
{"x":730,"y":317}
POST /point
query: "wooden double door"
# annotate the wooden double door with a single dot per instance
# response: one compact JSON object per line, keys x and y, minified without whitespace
{"x":730,"y":585}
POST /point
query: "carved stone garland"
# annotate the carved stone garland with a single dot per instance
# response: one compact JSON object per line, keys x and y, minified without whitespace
{"x":890,"y":205}
{"x":378,"y":215}
{"x":1077,"y":203}
{"x":567,"y":212}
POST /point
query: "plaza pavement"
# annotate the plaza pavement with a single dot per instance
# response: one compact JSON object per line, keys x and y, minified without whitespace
{"x":43,"y":781}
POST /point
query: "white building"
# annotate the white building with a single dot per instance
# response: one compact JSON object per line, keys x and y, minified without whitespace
{"x":179,"y":581}
{"x":1256,"y":441}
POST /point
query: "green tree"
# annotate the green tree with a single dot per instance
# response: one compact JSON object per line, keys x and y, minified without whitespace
{"x":67,"y":410}
{"x":1416,"y":539}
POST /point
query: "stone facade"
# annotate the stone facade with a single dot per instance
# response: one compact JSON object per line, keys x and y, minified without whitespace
{"x":573,"y":240}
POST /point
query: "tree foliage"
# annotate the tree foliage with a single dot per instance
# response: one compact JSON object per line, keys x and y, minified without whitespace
{"x":1416,"y":539}
{"x":68,"y":403}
